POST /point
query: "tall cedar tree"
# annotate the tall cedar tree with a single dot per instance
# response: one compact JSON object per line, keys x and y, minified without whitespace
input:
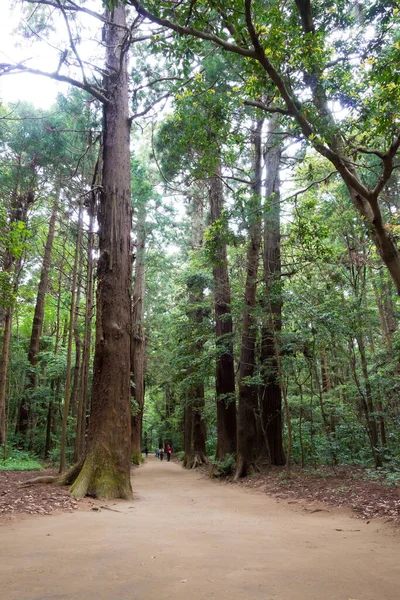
{"x":270,"y":390}
{"x":104,"y":470}
{"x":248,"y":400}
{"x":138,"y":340}
{"x":225,"y":368}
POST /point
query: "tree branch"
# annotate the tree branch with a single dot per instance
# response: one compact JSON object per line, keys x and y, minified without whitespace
{"x":71,"y":41}
{"x":192,"y":32}
{"x":387,"y":167}
{"x":9,"y":69}
{"x":304,"y":190}
{"x":266,"y":108}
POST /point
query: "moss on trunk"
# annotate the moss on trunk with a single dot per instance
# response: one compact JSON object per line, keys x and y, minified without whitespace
{"x":136,"y":458}
{"x":99,"y":478}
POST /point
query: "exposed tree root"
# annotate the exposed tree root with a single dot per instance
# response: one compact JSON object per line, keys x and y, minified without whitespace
{"x":244,"y":468}
{"x":65,"y":479}
{"x":195,"y":460}
{"x":39,"y":480}
{"x":94,"y":476}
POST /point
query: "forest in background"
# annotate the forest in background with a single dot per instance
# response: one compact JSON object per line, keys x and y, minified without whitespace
{"x":263,"y":319}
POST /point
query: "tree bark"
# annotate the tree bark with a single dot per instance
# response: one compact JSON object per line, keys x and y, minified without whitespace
{"x":195,"y":429}
{"x":105,"y":469}
{"x":19,"y":213}
{"x":51,"y":428}
{"x":38,"y":318}
{"x":78,"y":344}
{"x":138,"y":340}
{"x":248,"y":400}
{"x":225,"y":368}
{"x":3,"y":373}
{"x":271,"y":394}
{"x":84,"y":383}
{"x":67,"y":392}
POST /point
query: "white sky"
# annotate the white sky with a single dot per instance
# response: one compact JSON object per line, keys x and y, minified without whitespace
{"x":40,"y":91}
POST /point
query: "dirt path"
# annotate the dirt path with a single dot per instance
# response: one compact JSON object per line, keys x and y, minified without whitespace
{"x":187,"y":538}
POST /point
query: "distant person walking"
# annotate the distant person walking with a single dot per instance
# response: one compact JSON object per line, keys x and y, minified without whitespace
{"x":161,"y":453}
{"x":146,"y":451}
{"x":169,"y":452}
{"x":157,"y":452}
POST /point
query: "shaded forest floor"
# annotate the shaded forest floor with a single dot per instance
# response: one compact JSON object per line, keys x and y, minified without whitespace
{"x":347,"y":487}
{"x":42,"y":499}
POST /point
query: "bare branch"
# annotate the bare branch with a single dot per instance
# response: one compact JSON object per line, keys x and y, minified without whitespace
{"x":266,"y":108}
{"x":148,"y":109}
{"x":304,"y":190}
{"x":71,"y":40}
{"x":387,"y":167}
{"x":10,"y":69}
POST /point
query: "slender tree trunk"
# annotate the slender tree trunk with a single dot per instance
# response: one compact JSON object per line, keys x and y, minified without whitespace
{"x":271,"y":394}
{"x":84,"y":384}
{"x":77,"y":336}
{"x":105,"y":470}
{"x":38,"y":318}
{"x":78,"y":353}
{"x":51,"y":427}
{"x":248,"y":401}
{"x":19,"y":213}
{"x":225,"y":368}
{"x":187,"y":434}
{"x":195,"y":429}
{"x":368,"y":404}
{"x":3,"y":373}
{"x":72,"y":315}
{"x":138,"y":340}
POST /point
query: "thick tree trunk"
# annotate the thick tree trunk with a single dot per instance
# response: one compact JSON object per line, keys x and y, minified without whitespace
{"x":248,"y":401}
{"x":225,"y":368}
{"x":270,"y":391}
{"x":105,"y":469}
{"x":138,"y":340}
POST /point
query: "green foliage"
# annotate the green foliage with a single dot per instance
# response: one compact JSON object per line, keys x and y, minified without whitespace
{"x":223,"y":468}
{"x":18,"y":460}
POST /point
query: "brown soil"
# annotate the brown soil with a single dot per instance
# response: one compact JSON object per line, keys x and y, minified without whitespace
{"x":16,"y":500}
{"x":185,"y":536}
{"x":342,"y":487}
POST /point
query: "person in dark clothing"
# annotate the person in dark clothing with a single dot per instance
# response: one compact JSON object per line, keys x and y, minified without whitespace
{"x":161,"y":453}
{"x":169,"y":452}
{"x":146,"y":451}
